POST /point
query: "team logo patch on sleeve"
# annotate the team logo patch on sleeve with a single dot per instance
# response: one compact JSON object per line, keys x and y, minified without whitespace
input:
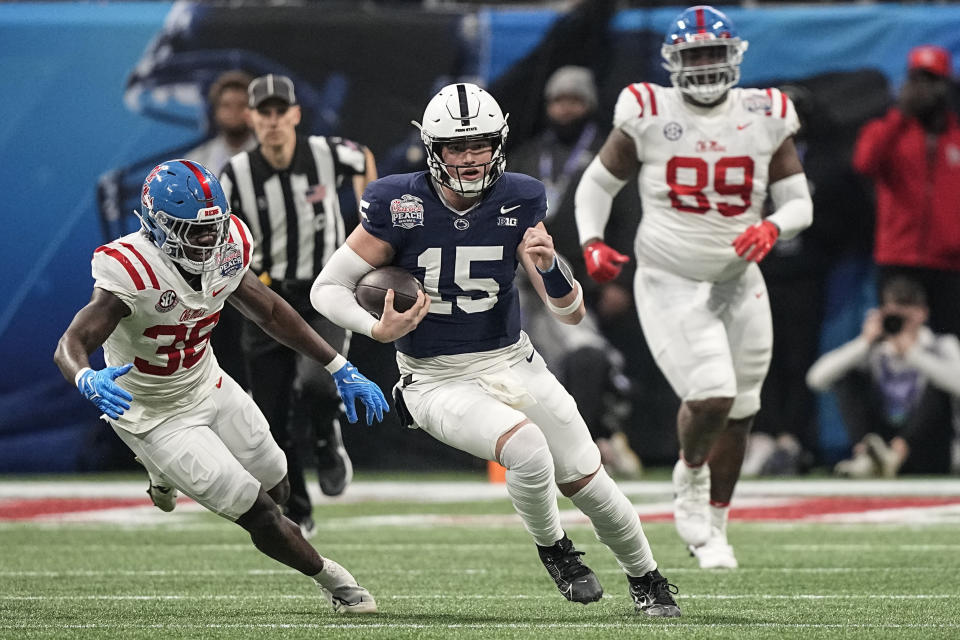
{"x":231,"y":260}
{"x":168,"y":300}
{"x":758,"y":104}
{"x":406,"y":211}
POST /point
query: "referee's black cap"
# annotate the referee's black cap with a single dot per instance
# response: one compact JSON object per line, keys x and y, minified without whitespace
{"x":271,"y":87}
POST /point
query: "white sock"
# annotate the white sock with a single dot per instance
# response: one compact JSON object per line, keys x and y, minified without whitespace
{"x":718,"y":518}
{"x":530,"y":483}
{"x":333,"y":576}
{"x":616,"y":523}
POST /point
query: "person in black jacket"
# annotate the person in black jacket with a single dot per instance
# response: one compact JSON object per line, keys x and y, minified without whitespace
{"x":286,"y":192}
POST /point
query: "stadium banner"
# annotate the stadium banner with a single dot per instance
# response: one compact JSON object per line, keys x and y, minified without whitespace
{"x":104,"y":91}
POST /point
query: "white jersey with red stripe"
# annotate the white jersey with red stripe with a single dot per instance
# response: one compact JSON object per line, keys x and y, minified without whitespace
{"x":704,"y":173}
{"x":167,"y":334}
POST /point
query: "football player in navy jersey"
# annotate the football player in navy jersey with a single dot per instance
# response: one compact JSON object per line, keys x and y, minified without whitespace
{"x":469,"y":375}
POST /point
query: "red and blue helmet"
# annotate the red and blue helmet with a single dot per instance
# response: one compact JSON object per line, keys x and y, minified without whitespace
{"x":702,"y":52}
{"x":180,"y":201}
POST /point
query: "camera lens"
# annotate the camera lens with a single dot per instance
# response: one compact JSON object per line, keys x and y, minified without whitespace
{"x":892,"y":324}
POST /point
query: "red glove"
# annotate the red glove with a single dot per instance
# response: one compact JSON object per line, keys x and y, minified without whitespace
{"x":603,"y":263}
{"x":761,"y":236}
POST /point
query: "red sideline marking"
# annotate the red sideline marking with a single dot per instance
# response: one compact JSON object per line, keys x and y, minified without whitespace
{"x":805,"y":508}
{"x":32,"y":508}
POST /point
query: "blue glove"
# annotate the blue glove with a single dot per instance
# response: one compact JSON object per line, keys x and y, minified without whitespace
{"x":352,"y":385}
{"x":99,"y":388}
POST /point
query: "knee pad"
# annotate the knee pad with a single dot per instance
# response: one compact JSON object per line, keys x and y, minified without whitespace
{"x":526,"y":455}
{"x":711,"y":379}
{"x":745,"y":405}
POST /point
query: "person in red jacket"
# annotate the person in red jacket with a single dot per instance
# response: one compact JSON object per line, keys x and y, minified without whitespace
{"x":913,"y":155}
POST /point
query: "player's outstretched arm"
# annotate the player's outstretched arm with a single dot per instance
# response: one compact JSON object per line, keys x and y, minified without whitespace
{"x":89,"y":329}
{"x":550,"y":276}
{"x":600,"y":183}
{"x":280,"y":321}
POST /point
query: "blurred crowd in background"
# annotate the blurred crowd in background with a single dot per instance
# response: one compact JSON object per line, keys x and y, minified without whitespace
{"x":884,"y":172}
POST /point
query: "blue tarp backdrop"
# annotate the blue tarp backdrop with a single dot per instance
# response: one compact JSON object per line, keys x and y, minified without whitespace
{"x":63,"y":123}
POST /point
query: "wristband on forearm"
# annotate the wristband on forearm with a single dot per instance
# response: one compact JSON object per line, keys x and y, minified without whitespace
{"x":336,"y":364}
{"x":76,"y":378}
{"x":557,"y":280}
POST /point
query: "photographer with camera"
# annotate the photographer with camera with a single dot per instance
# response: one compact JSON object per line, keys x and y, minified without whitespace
{"x":895,"y":385}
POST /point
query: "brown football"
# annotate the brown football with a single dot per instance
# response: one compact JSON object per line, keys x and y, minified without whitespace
{"x":372,"y":289}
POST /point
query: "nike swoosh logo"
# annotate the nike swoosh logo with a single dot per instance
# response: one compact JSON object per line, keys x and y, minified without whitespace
{"x":508,"y":210}
{"x":354,"y":379}
{"x":741,"y":127}
{"x":219,"y":290}
{"x":530,"y":359}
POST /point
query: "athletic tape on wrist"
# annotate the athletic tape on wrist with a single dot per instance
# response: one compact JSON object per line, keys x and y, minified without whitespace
{"x":570,"y":308}
{"x":336,"y":364}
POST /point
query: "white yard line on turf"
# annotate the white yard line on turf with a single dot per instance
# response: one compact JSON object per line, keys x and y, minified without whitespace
{"x":363,"y":491}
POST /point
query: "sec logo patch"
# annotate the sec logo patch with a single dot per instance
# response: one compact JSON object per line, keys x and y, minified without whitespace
{"x":167,"y":301}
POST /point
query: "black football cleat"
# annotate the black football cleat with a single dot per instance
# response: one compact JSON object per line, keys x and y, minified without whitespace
{"x":574,"y":579}
{"x":653,"y":595}
{"x":334,"y":469}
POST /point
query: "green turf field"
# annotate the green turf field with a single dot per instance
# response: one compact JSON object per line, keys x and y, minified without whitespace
{"x":193,"y":575}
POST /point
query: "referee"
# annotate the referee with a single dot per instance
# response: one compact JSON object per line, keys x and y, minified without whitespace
{"x":286,"y":191}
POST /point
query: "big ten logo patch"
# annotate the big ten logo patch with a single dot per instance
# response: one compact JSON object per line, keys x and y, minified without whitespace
{"x":231,"y":260}
{"x":406,"y":211}
{"x":503,"y":221}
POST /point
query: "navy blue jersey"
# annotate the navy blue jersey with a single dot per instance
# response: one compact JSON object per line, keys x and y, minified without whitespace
{"x":467,"y":263}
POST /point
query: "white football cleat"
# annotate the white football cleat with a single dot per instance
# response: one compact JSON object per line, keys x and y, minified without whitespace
{"x":716,"y":553}
{"x":341,"y":590}
{"x":691,"y":502}
{"x":164,"y":498}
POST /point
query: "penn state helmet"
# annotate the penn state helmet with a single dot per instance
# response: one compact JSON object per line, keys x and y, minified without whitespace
{"x":179,"y":200}
{"x":463,"y":112}
{"x":691,"y":31}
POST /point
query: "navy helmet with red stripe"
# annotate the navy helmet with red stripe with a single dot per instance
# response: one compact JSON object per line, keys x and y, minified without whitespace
{"x":702,"y":52}
{"x":185,"y":212}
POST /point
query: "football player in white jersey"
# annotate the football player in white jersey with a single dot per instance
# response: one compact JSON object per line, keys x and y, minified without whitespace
{"x":157,"y":295}
{"x":707,"y":155}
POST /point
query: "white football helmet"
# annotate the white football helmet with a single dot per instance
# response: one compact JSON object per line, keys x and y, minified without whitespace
{"x":463,"y":112}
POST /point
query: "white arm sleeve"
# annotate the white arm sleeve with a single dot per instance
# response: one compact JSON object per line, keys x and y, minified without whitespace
{"x":941,"y":368}
{"x":835,"y":364}
{"x":332,"y":291}
{"x":793,"y":206}
{"x":593,"y":199}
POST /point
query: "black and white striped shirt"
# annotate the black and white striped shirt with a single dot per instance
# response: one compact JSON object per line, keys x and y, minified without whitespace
{"x":294,"y":213}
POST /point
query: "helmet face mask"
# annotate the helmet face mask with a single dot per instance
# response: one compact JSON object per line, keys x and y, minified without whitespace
{"x":703,"y":53}
{"x":184,"y":211}
{"x":463,"y":119}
